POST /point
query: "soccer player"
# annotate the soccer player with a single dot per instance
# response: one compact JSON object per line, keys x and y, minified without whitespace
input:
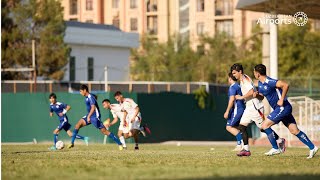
{"x":134,"y":115}
{"x":93,"y":117}
{"x":276,"y":91}
{"x":116,"y":111}
{"x":61,"y":110}
{"x":234,"y":110}
{"x":253,"y":111}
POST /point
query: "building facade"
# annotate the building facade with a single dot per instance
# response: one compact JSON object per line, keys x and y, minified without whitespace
{"x":97,"y":49}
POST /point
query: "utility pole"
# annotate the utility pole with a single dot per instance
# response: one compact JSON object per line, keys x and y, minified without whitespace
{"x":106,"y":78}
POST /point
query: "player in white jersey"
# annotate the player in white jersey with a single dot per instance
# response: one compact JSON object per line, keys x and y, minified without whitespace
{"x":117,"y":113}
{"x":133,"y":115}
{"x":253,"y":111}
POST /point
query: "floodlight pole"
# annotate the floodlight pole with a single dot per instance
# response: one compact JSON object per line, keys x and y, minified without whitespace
{"x":106,"y":78}
{"x":34,"y":65}
{"x":273,"y":46}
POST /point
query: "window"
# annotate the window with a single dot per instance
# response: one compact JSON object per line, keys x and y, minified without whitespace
{"x":317,"y":25}
{"x":133,"y":4}
{"x":200,"y":5}
{"x":152,"y":6}
{"x":89,"y":21}
{"x":89,"y":5}
{"x":134,"y":24}
{"x":90,"y":69}
{"x":225,"y":26}
{"x":73,"y":7}
{"x":115,"y":3}
{"x":73,"y":19}
{"x":152,"y":25}
{"x":200,"y":49}
{"x":200,"y":28}
{"x":224,"y":7}
{"x":116,"y":22}
{"x":72,"y":68}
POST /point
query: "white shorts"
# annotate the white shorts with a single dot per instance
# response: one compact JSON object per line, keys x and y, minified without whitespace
{"x":136,"y":123}
{"x":124,"y":129}
{"x":250,"y":115}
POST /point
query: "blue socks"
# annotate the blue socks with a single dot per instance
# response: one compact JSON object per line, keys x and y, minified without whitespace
{"x":113,"y":137}
{"x":239,"y":138}
{"x":271,"y":136}
{"x":55,"y":138}
{"x":80,"y":137}
{"x":304,"y":138}
{"x":74,"y":135}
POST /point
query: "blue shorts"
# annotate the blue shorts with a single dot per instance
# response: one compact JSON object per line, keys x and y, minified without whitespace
{"x":95,"y":121}
{"x":283,"y":114}
{"x":64,"y":125}
{"x":234,"y":118}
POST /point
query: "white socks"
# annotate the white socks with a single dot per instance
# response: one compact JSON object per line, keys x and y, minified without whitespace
{"x":123,"y":142}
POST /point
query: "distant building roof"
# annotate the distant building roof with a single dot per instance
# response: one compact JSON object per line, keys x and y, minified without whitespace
{"x":91,"y":25}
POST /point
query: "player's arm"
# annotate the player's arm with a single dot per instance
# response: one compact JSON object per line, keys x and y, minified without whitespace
{"x":258,"y":95}
{"x":246,"y":96}
{"x":285,"y":88}
{"x":230,"y":105}
{"x":137,"y":110}
{"x":51,"y":112}
{"x":65,"y":110}
{"x":114,"y":121}
{"x":93,"y":107}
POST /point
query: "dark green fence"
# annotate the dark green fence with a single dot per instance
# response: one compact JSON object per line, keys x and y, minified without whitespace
{"x":171,"y":116}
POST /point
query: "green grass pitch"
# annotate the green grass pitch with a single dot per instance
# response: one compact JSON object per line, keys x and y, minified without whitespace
{"x":154,"y":161}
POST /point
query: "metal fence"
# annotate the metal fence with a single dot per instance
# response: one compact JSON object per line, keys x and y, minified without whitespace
{"x":126,"y":86}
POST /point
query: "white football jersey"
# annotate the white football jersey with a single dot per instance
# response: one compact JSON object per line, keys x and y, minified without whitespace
{"x":246,"y":85}
{"x":129,"y":105}
{"x":116,"y":111}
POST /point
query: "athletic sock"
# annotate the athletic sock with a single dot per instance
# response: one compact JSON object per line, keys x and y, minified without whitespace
{"x":276,"y":135}
{"x":239,"y":138}
{"x":113,"y":137}
{"x":246,"y":147}
{"x":122,"y":141}
{"x":304,"y":138}
{"x":271,"y":138}
{"x":55,"y":138}
{"x":74,"y":135}
{"x":80,"y":137}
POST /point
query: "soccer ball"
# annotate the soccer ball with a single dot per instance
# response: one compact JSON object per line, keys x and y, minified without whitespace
{"x":59,"y":145}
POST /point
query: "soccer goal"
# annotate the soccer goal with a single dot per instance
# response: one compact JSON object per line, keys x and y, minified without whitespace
{"x":307,"y":114}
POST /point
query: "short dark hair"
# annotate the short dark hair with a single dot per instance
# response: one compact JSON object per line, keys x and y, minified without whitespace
{"x":106,"y":100}
{"x":237,"y":67}
{"x":261,"y":69}
{"x":118,"y":93}
{"x":84,"y":87}
{"x":53,"y":95}
{"x":232,"y":77}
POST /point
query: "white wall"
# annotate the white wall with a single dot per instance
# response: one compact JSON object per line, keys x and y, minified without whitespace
{"x":117,"y":60}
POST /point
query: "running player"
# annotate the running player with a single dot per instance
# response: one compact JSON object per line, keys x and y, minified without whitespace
{"x":234,"y":110}
{"x":61,"y":110}
{"x":116,"y":111}
{"x":253,"y":111}
{"x":93,"y":117}
{"x":276,"y":91}
{"x":134,"y":117}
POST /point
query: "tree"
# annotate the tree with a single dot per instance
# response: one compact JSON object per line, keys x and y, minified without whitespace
{"x":43,"y":22}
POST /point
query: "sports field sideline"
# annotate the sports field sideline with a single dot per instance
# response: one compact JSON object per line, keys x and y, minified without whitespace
{"x":171,"y":160}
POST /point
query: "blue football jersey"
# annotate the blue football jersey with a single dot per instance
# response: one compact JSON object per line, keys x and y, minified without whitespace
{"x":234,"y":90}
{"x":58,"y":108}
{"x":271,"y":92}
{"x":91,"y":100}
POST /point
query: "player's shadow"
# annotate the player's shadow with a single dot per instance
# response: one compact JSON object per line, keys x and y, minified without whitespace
{"x":262,"y":177}
{"x":34,"y":152}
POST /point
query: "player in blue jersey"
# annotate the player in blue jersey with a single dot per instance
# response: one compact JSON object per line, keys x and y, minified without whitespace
{"x":234,"y":110}
{"x":93,"y":117}
{"x":61,"y":110}
{"x":275,"y":91}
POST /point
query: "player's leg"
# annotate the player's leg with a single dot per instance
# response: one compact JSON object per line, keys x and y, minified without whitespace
{"x":121,"y":138}
{"x":99,"y":125}
{"x":135,"y":134}
{"x":81,"y":123}
{"x":232,"y":127}
{"x":85,"y":139}
{"x":293,"y":128}
{"x":55,"y":138}
{"x":266,"y":126}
